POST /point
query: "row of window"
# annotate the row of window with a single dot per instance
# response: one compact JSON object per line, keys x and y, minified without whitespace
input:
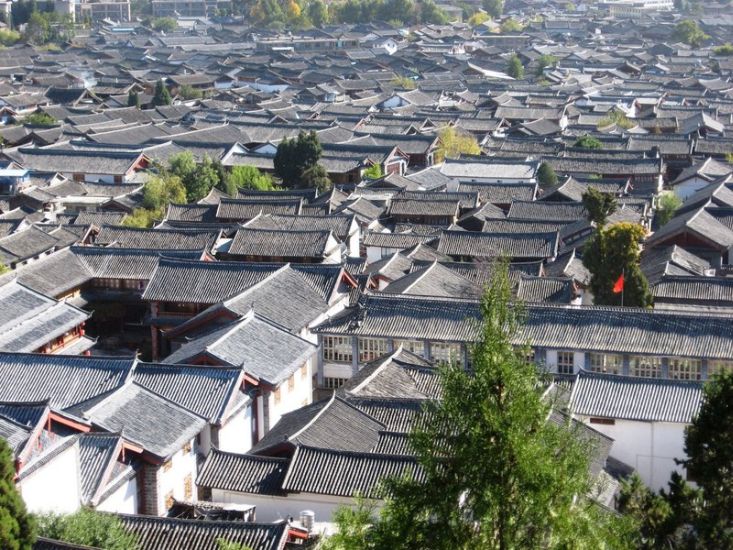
{"x":338,"y":349}
{"x":679,"y":368}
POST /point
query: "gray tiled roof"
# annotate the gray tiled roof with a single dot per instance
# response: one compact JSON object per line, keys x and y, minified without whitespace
{"x":339,"y":225}
{"x":336,"y":424}
{"x":434,"y":280}
{"x":243,"y":473}
{"x":157,"y":239}
{"x":545,"y":289}
{"x":630,"y":398}
{"x":492,"y":245}
{"x":204,"y":390}
{"x":395,"y":240}
{"x":547,"y":211}
{"x":13,"y":433}
{"x":160,"y":426}
{"x":502,"y":193}
{"x":96,"y":452}
{"x":202,"y":282}
{"x":244,"y":209}
{"x":29,"y":320}
{"x":64,"y":380}
{"x":154,"y":533}
{"x":612,"y":329}
{"x":343,"y":473}
{"x":282,"y":244}
{"x":262,"y":349}
{"x":399,"y":375}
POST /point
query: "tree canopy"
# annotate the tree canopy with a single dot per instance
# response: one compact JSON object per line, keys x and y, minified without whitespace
{"x":588,"y":142}
{"x":248,"y":177}
{"x":546,"y":175}
{"x":598,"y":206}
{"x":667,"y":205}
{"x":295,"y":156}
{"x":611,"y":252}
{"x":316,"y":177}
{"x":40,"y":119}
{"x":161,"y":95}
{"x":689,"y":32}
{"x":17,"y":527}
{"x":452,"y":143}
{"x":494,"y":8}
{"x":133,"y":99}
{"x":514,"y":67}
{"x":89,"y":528}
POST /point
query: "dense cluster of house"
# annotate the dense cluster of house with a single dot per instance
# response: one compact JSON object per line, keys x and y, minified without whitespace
{"x":253,"y":357}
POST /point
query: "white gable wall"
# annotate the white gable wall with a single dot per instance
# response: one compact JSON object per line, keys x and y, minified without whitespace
{"x":55,"y":486}
{"x":649,"y":447}
{"x":122,"y":501}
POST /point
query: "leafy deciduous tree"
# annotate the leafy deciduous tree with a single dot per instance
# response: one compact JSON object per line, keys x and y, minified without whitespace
{"x":689,"y":32}
{"x":667,"y":205}
{"x":318,"y":13}
{"x":494,"y":7}
{"x":545,"y":60}
{"x":514,"y":67}
{"x":511,"y":25}
{"x":40,"y":119}
{"x":249,"y":177}
{"x":453,"y":143}
{"x":133,"y":99}
{"x":89,"y":528}
{"x":430,"y":13}
{"x":316,"y":177}
{"x":588,"y":142}
{"x":374,"y":172}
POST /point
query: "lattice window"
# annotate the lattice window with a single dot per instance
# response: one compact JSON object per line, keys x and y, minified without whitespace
{"x":645,"y":367}
{"x":607,"y":362}
{"x":413,"y":346}
{"x":337,"y":349}
{"x":565,"y":362}
{"x":685,"y":368}
{"x":333,"y":383}
{"x":443,"y":352}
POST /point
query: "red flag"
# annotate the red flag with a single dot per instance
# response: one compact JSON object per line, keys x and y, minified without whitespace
{"x":618,"y":286}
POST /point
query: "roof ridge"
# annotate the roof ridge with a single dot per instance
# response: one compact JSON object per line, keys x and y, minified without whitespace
{"x":315,"y":417}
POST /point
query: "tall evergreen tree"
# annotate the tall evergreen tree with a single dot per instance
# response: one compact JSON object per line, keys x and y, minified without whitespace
{"x":295,"y":156}
{"x":17,"y":527}
{"x":495,"y":472}
{"x":161,"y":96}
{"x":133,"y":99}
{"x":599,"y":206}
{"x":709,"y":446}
